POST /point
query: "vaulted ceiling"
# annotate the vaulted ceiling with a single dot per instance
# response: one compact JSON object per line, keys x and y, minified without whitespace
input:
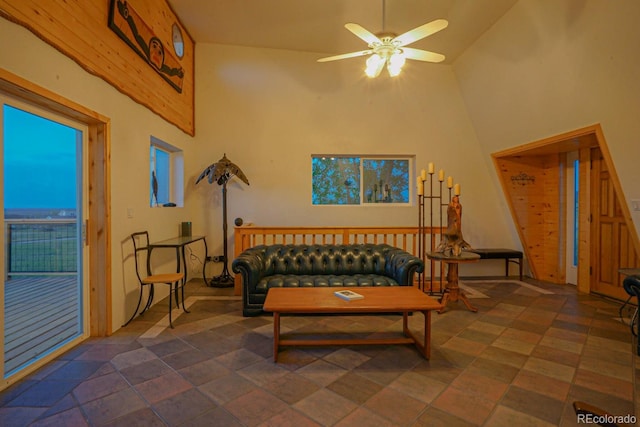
{"x":318,"y":25}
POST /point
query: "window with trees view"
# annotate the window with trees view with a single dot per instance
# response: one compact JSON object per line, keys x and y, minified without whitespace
{"x":348,"y":180}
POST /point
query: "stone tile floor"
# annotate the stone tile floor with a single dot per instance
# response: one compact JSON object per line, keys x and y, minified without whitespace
{"x":523,"y":359}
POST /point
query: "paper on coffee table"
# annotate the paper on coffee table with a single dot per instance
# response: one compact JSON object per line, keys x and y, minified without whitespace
{"x":348,"y":295}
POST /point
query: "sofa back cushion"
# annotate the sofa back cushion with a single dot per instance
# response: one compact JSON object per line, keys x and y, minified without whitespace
{"x":325,"y":259}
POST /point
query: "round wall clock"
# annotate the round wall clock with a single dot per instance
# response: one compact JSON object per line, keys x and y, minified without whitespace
{"x":178,"y":42}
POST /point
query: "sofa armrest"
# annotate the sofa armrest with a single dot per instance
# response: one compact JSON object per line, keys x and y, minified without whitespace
{"x":402,"y":266}
{"x":250,"y":264}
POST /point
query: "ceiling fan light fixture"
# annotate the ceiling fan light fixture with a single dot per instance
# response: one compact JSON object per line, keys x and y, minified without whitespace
{"x":393,"y":71}
{"x":395,"y":63}
{"x":375,"y":63}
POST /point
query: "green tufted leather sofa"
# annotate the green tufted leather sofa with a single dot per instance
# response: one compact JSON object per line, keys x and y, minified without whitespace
{"x":267,"y":266}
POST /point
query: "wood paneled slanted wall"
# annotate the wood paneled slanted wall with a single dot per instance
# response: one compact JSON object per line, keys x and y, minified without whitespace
{"x":532,"y":185}
{"x":79,"y":29}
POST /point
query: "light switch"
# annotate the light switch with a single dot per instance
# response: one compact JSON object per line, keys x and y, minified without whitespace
{"x":129,"y":212}
{"x":635,"y":205}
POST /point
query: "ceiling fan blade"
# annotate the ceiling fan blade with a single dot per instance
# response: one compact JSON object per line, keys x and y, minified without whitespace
{"x":421,"y":32}
{"x":346,"y":55}
{"x":365,"y":35}
{"x":422,"y":55}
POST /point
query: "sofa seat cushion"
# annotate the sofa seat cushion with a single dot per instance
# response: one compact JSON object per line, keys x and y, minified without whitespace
{"x":326,"y":280}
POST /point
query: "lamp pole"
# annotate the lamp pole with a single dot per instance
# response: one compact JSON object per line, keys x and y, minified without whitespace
{"x":225,"y":279}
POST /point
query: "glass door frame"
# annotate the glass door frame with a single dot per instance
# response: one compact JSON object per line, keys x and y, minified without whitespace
{"x":82,"y":204}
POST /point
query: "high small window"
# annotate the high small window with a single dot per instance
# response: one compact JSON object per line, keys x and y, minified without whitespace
{"x":359,"y":180}
{"x":165,"y":174}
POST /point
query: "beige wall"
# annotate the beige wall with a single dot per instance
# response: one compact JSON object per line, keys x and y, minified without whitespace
{"x":269,"y":110}
{"x":549,"y":67}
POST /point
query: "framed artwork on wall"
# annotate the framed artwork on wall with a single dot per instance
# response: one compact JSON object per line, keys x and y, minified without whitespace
{"x":131,"y":28}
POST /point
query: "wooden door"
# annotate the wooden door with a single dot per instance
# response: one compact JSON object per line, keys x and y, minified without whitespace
{"x":612,"y":244}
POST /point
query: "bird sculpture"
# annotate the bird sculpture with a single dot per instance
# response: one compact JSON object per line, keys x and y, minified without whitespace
{"x":154,"y":186}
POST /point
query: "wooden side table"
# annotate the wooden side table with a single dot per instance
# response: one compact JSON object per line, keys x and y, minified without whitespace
{"x":452,"y":291}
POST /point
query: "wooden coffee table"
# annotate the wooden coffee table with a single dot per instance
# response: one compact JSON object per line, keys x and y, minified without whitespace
{"x":395,"y":299}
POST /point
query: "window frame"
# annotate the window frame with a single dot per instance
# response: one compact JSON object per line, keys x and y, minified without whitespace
{"x":175,"y":173}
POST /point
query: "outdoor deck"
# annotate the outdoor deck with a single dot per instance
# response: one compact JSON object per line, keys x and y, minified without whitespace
{"x":41,"y":312}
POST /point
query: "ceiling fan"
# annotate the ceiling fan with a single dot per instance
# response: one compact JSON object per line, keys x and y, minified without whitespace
{"x":390,"y":49}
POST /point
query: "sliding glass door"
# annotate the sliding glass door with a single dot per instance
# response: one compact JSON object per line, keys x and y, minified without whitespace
{"x":44,"y":215}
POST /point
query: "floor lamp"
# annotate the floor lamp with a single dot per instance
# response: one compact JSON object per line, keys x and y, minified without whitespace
{"x":221,"y":172}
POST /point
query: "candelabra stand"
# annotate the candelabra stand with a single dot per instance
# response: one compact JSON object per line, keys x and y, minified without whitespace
{"x":426,"y":222}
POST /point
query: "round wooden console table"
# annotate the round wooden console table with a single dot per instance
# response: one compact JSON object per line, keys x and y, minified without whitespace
{"x":452,"y":291}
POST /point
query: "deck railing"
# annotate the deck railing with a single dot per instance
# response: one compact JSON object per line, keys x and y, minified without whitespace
{"x":406,"y":238}
{"x":37,"y":246}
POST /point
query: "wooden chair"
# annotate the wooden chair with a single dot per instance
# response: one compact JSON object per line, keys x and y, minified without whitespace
{"x":174,"y":280}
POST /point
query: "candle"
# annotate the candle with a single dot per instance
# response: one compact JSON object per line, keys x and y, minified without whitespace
{"x":423,"y":174}
{"x":450,"y":182}
{"x":418,"y":181}
{"x":456,"y":189}
{"x":420,"y":188}
{"x":441,"y":175}
{"x":430,"y":167}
